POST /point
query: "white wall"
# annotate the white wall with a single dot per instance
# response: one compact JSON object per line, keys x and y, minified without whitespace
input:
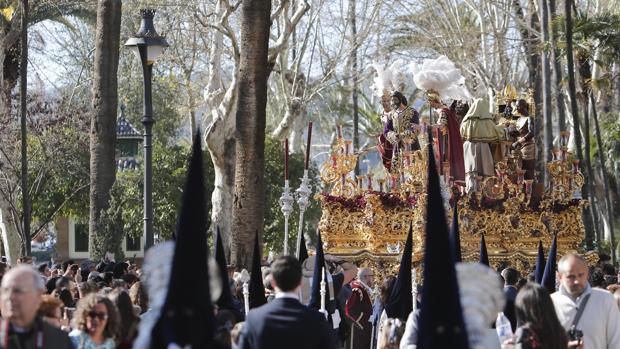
{"x":84,"y":255}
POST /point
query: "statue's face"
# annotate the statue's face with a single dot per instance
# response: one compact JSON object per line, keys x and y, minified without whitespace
{"x":435,"y":104}
{"x":461,"y":108}
{"x":522,"y":107}
{"x":395,"y":103}
{"x":385,"y":103}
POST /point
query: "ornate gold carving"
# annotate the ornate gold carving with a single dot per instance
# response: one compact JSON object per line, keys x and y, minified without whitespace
{"x":370,"y":227}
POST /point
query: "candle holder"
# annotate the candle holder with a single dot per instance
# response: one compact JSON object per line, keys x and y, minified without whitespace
{"x":415,"y":172}
{"x":394,"y":183}
{"x":528,"y":191}
{"x":564,"y":135}
{"x":303,"y":201}
{"x":577,"y":181}
{"x":286,"y":206}
{"x":565,"y":182}
{"x":360,"y":185}
{"x":343,"y":162}
{"x":381,"y":181}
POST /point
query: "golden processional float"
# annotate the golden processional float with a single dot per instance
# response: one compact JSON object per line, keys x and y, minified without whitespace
{"x":366,"y":220}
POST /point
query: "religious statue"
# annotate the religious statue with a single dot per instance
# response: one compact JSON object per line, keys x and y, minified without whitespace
{"x":479,"y":131}
{"x":449,"y":149}
{"x":526,"y":129}
{"x":385,"y":147}
{"x":460,"y":109}
{"x":400,"y":130}
{"x":443,"y":80}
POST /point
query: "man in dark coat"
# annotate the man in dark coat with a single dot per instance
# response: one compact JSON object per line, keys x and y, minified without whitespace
{"x":20,"y":297}
{"x":359,"y":309}
{"x":511,"y":276}
{"x":285,"y":322}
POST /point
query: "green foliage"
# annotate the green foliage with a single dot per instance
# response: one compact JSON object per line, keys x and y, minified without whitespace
{"x":274,"y":183}
{"x":59,"y":160}
{"x":166,"y":92}
{"x":591,"y":32}
{"x":610,"y":135}
{"x":110,"y":228}
{"x":169,"y":171}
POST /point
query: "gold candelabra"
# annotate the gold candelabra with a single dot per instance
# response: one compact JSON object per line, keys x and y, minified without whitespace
{"x":566,"y":179}
{"x":335,"y":172}
{"x":408,"y":177}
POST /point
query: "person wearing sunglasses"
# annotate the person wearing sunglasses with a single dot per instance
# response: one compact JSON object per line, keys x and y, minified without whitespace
{"x":96,"y":323}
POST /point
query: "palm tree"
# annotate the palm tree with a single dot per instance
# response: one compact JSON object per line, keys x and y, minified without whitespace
{"x":103,"y":120}
{"x":600,"y":34}
{"x":572,"y":93}
{"x":546,"y":82}
{"x":249,"y":195}
{"x":557,"y":69}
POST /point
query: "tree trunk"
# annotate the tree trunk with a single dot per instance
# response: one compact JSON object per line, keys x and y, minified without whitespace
{"x":572,"y":93}
{"x":533,"y":62}
{"x":221,"y":145}
{"x":23,"y":90}
{"x":249,"y":196}
{"x":535,"y":80}
{"x":354,"y":80}
{"x":219,"y":136}
{"x":572,"y":90}
{"x":546,"y":79}
{"x":11,"y":241}
{"x":103,"y":120}
{"x":606,"y":188}
{"x":557,"y":69}
{"x":585,"y":74}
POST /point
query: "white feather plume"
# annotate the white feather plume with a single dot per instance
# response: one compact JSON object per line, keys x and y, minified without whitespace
{"x":398,"y":76}
{"x":441,"y":75}
{"x":382,"y":81}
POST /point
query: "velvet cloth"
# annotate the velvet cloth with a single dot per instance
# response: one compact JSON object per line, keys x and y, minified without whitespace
{"x":358,"y":310}
{"x":452,"y":145}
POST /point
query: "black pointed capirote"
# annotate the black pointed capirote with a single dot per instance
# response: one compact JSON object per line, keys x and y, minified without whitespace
{"x":187,"y":316}
{"x":441,"y":322}
{"x":455,"y":235}
{"x":484,"y":254}
{"x":257,"y":288}
{"x":540,"y":264}
{"x":303,"y":251}
{"x":400,"y":302}
{"x":548,"y":279}
{"x":225,"y":301}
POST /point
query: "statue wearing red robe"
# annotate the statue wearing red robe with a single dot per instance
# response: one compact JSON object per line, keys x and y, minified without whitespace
{"x":450,"y":147}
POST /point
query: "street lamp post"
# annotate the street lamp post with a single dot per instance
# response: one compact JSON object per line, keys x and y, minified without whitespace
{"x":147,"y":45}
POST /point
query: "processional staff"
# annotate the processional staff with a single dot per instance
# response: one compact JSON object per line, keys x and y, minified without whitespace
{"x":286,"y":200}
{"x":323,"y":293}
{"x":414,"y":289}
{"x":304,"y":191}
{"x":245,"y":278}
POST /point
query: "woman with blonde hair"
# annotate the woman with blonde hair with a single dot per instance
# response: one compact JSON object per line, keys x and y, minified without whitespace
{"x":96,"y":323}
